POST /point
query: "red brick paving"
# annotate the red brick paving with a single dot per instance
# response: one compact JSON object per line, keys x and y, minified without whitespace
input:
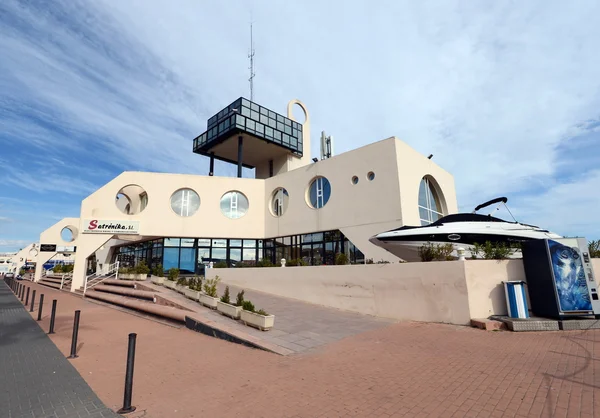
{"x":405,"y":370}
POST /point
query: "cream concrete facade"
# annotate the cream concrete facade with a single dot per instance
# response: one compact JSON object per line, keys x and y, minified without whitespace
{"x":359,"y":210}
{"x":448,"y":291}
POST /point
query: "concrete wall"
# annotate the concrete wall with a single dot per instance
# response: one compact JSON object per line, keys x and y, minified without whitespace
{"x":451,"y":292}
{"x":432,"y":292}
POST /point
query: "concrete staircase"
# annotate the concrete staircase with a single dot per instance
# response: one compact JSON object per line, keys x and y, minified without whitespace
{"x":125,"y":294}
{"x":53,"y":282}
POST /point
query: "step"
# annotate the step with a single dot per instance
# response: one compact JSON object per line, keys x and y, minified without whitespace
{"x":116,"y":282}
{"x":124,"y":291}
{"x":49,"y":284}
{"x":139,"y":305}
{"x":52,"y":279}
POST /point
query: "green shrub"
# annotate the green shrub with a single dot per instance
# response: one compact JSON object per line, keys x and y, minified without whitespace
{"x":159,"y":271}
{"x":141,"y":268}
{"x":191,"y":283}
{"x":265,"y":262}
{"x":295,"y":262}
{"x":210,"y":286}
{"x":262,"y":312}
{"x":182,"y":281}
{"x":173,"y":274}
{"x":435,"y":252}
{"x":225,"y":297}
{"x":248,"y":306}
{"x":369,"y":261}
{"x":220,"y":265}
{"x":341,"y":259}
{"x":594,"y":248}
{"x":67,"y":268}
{"x":199,"y":284}
{"x":57,"y":268}
{"x":494,"y":250}
{"x":239,"y":300}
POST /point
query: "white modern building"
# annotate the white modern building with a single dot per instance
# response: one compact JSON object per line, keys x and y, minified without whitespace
{"x":297,"y":207}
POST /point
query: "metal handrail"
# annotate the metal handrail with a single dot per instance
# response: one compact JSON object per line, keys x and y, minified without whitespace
{"x":107,"y":273}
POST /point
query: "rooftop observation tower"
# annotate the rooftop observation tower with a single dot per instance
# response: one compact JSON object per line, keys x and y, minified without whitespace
{"x":252,"y":136}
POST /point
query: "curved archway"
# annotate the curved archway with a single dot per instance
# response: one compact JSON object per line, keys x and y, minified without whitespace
{"x":431,"y":201}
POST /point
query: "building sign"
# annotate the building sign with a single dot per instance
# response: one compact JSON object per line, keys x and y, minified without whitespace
{"x":66,"y":249}
{"x":98,"y":226}
{"x":48,"y":247}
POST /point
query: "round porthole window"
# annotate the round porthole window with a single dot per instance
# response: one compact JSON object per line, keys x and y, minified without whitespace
{"x":67,"y":235}
{"x":131,"y":199}
{"x":370,"y":176}
{"x":279,"y":201}
{"x":354,"y":179}
{"x":185,"y":202}
{"x":319,"y":192}
{"x":234,"y":204}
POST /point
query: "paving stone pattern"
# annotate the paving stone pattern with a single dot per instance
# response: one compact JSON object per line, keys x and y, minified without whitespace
{"x":36,"y":379}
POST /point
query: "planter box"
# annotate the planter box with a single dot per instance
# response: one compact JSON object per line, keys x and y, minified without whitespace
{"x":208,"y":300}
{"x":157,"y":280}
{"x":170,"y":284}
{"x":263,"y":323}
{"x":138,"y":277}
{"x":180,"y":288}
{"x":231,"y":311}
{"x":191,"y":294}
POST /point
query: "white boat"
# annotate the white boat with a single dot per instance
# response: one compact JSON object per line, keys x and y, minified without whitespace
{"x":462,"y":230}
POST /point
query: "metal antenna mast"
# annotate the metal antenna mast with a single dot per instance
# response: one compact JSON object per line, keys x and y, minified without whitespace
{"x":251,"y":56}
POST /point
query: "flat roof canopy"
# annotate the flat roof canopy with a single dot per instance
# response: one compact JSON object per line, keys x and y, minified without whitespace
{"x":267,"y":135}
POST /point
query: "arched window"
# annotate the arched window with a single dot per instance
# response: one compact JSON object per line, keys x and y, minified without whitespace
{"x":319,"y":192}
{"x":430,"y":209}
{"x":234,"y":205}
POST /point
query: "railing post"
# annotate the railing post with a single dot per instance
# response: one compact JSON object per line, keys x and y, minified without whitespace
{"x":129,"y":376}
{"x":117,"y":271}
{"x":62,"y":281}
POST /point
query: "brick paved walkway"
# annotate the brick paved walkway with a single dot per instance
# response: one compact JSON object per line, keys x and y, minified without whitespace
{"x":299,"y":326}
{"x":402,"y":370}
{"x":36,"y":380}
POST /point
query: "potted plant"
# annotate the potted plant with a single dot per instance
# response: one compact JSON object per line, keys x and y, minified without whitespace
{"x":192,"y":291}
{"x":209,"y":297}
{"x":227,"y":308}
{"x":181,"y":284}
{"x":172,"y":278}
{"x":257,"y":319}
{"x":141,"y":270}
{"x":158,"y":275}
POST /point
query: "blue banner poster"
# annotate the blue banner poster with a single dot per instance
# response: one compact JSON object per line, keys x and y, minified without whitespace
{"x":569,"y":278}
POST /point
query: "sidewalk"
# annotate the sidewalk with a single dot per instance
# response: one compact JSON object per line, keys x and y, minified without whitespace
{"x":36,"y":379}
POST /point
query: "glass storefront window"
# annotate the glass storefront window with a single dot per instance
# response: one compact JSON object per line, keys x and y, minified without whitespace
{"x":235,"y":242}
{"x":203,"y":242}
{"x":219,"y":254}
{"x":172,"y":242}
{"x":187,"y":262}
{"x":187,"y":242}
{"x":171,"y":258}
{"x":249,"y":254}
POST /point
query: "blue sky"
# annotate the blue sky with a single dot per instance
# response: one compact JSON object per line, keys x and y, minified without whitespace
{"x":506,"y":95}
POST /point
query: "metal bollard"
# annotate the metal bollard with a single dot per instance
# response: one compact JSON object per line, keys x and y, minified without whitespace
{"x":52,"y":316}
{"x":75,"y":334}
{"x":32,"y":301}
{"x":129,"y":377}
{"x":27,"y":297}
{"x":40,"y":307}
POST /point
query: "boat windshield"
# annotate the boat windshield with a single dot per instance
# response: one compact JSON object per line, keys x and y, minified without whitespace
{"x":467,"y":217}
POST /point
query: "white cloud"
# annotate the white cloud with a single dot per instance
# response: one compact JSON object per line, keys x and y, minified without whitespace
{"x":491,"y":89}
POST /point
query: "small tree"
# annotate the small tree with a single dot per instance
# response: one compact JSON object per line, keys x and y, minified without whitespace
{"x":57,"y":268}
{"x":239,"y":300}
{"x":341,"y":259}
{"x":159,"y":271}
{"x":142,"y":268}
{"x":173,"y":274}
{"x":248,"y":306}
{"x":594,"y":249}
{"x":225,"y":297}
{"x":210,"y":286}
